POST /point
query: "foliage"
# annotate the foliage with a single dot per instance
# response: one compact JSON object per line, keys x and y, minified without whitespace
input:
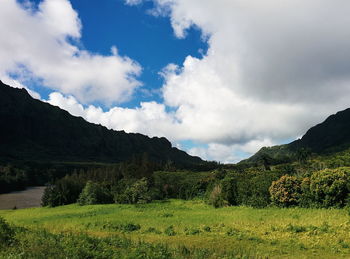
{"x":331,"y":187}
{"x":64,"y":191}
{"x":306,"y":199}
{"x":253,"y":187}
{"x":169,"y":231}
{"x":286,"y":191}
{"x":94,"y":193}
{"x":12,"y":178}
{"x":181,"y":184}
{"x":138,"y":192}
{"x":6,"y":232}
{"x":302,"y":154}
{"x":216,"y":197}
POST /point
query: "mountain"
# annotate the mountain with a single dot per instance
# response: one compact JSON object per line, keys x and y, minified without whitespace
{"x":32,"y":130}
{"x":330,"y":136}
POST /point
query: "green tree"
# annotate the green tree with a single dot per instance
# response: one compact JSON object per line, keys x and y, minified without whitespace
{"x":138,"y":192}
{"x":64,"y":191}
{"x":94,"y":193}
{"x":302,"y":155}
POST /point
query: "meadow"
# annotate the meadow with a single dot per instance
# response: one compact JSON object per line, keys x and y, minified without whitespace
{"x":180,"y":229}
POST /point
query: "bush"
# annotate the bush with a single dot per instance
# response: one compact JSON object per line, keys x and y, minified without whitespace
{"x":253,"y":187}
{"x":169,"y":231}
{"x":229,"y":190}
{"x":216,"y":197}
{"x":6,"y":232}
{"x":64,"y":191}
{"x":330,"y":187}
{"x":286,"y":191}
{"x":306,"y":199}
{"x":94,"y":193}
{"x":192,"y":231}
{"x":181,"y":184}
{"x":129,"y":227}
{"x":138,"y":192}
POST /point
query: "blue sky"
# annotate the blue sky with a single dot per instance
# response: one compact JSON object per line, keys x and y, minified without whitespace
{"x":143,"y":37}
{"x":220,"y":79}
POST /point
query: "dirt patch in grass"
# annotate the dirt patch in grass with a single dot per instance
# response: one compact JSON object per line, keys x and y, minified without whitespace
{"x":28,"y":198}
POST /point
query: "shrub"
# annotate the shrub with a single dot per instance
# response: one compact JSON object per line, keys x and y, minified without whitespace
{"x":192,"y":231}
{"x":253,"y":187}
{"x":169,"y":231}
{"x":138,"y":192}
{"x":306,"y":199}
{"x":6,"y":232}
{"x":229,"y":190}
{"x":94,"y":193}
{"x":64,"y":191}
{"x":330,"y":187}
{"x":181,"y":184}
{"x":295,"y":228}
{"x":129,"y":227}
{"x":286,"y":191}
{"x":207,"y":229}
{"x":216,"y":197}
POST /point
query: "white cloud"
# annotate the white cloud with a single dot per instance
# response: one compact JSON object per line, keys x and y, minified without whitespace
{"x":229,"y":153}
{"x":39,"y":44}
{"x":273,"y":69}
{"x":150,"y":118}
{"x":133,"y":2}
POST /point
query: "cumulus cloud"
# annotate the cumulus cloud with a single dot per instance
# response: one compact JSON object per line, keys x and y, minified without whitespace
{"x":273,"y":69}
{"x":150,"y":118}
{"x":229,"y":153}
{"x":271,"y":50}
{"x":42,"y":43}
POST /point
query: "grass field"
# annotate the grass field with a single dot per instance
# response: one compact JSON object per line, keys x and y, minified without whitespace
{"x":265,"y":233}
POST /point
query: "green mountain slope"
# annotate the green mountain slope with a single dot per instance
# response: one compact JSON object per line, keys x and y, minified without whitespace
{"x":32,"y":130}
{"x":330,"y":136}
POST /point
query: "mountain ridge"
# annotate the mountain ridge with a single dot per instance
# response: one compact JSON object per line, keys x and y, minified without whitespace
{"x":330,"y":136}
{"x":36,"y":130}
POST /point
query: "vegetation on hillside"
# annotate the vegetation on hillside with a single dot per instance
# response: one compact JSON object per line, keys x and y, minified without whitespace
{"x":39,"y":132}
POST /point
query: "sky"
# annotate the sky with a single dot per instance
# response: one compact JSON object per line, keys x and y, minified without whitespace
{"x":220,"y":79}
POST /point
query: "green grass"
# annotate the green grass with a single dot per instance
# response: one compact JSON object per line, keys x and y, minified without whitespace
{"x":269,"y":232}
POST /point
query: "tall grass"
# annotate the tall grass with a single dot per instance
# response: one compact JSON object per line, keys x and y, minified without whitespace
{"x":190,"y":229}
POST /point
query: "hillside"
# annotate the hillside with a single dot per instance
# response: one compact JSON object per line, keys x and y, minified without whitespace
{"x":330,"y":136}
{"x":33,"y":130}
